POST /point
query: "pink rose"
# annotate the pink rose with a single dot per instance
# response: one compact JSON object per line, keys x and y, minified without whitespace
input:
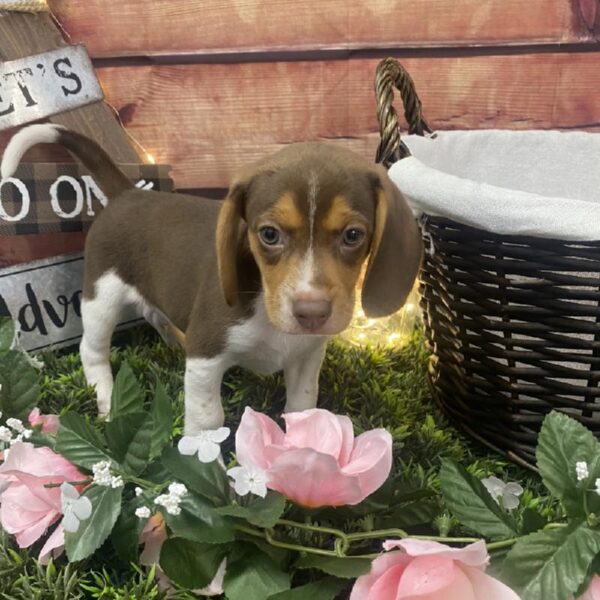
{"x":49,"y":423}
{"x":27,"y":508}
{"x":153,"y":535}
{"x":593,"y":591}
{"x":430,"y":571}
{"x":317,"y":461}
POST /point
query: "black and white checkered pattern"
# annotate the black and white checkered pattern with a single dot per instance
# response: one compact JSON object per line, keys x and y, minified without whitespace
{"x":39,"y":177}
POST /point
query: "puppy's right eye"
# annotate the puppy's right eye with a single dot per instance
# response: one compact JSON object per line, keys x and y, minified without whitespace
{"x":270,"y":236}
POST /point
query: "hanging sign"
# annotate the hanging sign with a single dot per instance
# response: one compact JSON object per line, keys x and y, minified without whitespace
{"x":46,"y":84}
{"x":44,"y":299}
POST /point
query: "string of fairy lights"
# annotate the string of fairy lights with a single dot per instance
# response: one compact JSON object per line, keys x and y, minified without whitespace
{"x":394,"y":331}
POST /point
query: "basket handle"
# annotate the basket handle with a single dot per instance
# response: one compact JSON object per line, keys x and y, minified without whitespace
{"x":389,"y":74}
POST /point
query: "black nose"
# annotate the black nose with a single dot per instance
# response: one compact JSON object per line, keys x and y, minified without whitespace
{"x":311,"y":314}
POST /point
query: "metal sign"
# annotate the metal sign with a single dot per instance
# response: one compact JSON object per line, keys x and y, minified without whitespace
{"x":55,"y":197}
{"x":46,"y":84}
{"x":44,"y":299}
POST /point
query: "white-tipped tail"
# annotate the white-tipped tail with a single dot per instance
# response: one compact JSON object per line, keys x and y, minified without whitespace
{"x":45,"y":133}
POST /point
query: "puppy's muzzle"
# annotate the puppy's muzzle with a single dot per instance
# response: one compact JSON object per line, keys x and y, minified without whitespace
{"x":312,"y":312}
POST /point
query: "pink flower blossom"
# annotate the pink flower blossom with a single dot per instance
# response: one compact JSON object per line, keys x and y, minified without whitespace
{"x":153,"y":535}
{"x":593,"y":591}
{"x":49,"y":423}
{"x":430,"y":571}
{"x":27,"y":508}
{"x":317,"y":461}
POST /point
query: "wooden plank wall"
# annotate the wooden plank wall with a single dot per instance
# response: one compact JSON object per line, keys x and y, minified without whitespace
{"x":207,"y":85}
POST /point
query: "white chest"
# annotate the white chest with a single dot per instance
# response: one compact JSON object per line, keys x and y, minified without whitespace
{"x":255,"y":344}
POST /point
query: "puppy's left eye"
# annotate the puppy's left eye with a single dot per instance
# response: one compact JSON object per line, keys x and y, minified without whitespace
{"x":352,"y":236}
{"x":270,"y":236}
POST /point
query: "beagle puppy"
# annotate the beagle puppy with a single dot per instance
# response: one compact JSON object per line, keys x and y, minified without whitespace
{"x":261,"y":280}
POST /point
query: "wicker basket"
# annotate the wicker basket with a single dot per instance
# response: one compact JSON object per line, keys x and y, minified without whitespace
{"x":513,"y":322}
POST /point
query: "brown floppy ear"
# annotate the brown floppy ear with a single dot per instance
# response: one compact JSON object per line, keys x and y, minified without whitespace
{"x":396,"y":251}
{"x":228,"y":239}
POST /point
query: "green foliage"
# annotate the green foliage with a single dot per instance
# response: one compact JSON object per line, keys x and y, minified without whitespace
{"x":262,"y":512}
{"x":469,"y":500}
{"x":191,"y":564}
{"x":78,"y":441}
{"x":127,"y":396}
{"x":340,"y":567}
{"x":7,"y":333}
{"x":253,"y":575}
{"x":162,"y":421}
{"x":106,"y":507}
{"x":323,"y":589}
{"x":562,"y":443}
{"x":129,"y":437}
{"x":377,"y":387}
{"x":206,"y":479}
{"x":19,"y":380}
{"x":199,"y":521}
{"x":557,"y":560}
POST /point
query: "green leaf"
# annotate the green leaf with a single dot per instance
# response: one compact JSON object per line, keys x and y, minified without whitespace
{"x":19,"y":381}
{"x":410,"y":515}
{"x":262,"y":512}
{"x":80,"y":442}
{"x":190,"y":564}
{"x":347,"y":568}
{"x":125,"y":535}
{"x":199,"y":521}
{"x":254,"y":576}
{"x":127,"y":396}
{"x":128,"y":439}
{"x":561,"y":444}
{"x":468,"y":499}
{"x":324,"y":589}
{"x":7,"y":333}
{"x":208,"y":480}
{"x":162,"y":421}
{"x":555,"y":560}
{"x":532,"y":521}
{"x":106,"y":506}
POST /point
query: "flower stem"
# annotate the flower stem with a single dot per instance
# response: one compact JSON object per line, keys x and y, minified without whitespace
{"x":55,"y":485}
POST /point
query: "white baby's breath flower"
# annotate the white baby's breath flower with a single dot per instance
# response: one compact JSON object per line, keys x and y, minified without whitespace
{"x":27,"y":433}
{"x":15,"y":424}
{"x":116,"y":482}
{"x":172,"y":500}
{"x":103,"y":476}
{"x":582,"y":471}
{"x":249,"y":480}
{"x":5,"y":434}
{"x":505,"y":494}
{"x":143,"y":512}
{"x":138,"y":491}
{"x":75,"y":508}
{"x":178,"y":489}
{"x":598,"y":486}
{"x":206,"y":444}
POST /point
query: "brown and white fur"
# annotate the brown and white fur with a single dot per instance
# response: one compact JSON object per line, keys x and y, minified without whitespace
{"x":260,"y":280}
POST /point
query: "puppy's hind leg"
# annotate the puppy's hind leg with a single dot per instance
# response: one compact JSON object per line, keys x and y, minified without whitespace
{"x":100,"y":315}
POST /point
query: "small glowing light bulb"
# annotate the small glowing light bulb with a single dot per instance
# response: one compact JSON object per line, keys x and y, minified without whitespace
{"x":371,"y":322}
{"x":150,"y":158}
{"x":361,"y":336}
{"x":393,"y":337}
{"x":409,"y":307}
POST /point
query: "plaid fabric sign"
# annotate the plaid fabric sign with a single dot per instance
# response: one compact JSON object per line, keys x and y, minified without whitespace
{"x":55,"y":197}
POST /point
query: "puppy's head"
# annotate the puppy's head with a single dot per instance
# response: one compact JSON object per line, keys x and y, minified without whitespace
{"x":312,"y":214}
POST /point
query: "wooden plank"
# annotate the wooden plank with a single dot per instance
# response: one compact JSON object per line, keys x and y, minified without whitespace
{"x":26,"y":34}
{"x":207,"y":120}
{"x":183,"y":26}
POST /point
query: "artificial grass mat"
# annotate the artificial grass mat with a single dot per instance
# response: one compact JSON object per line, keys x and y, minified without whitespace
{"x":375,"y":386}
